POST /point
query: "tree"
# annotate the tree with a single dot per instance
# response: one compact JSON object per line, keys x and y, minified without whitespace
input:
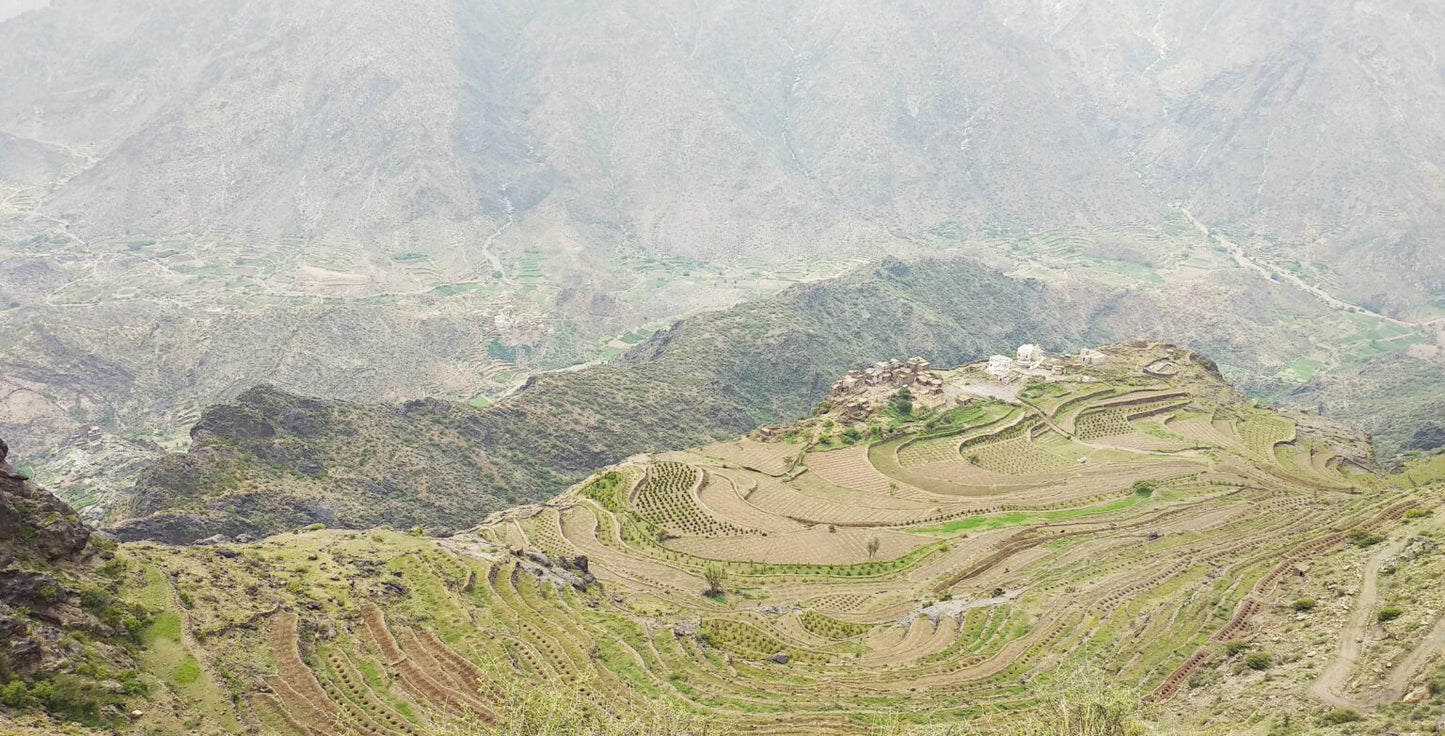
{"x":716,"y":575}
{"x":872,"y":546}
{"x":903,"y":402}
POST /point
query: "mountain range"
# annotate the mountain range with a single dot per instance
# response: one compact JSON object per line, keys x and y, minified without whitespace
{"x":445,"y":198}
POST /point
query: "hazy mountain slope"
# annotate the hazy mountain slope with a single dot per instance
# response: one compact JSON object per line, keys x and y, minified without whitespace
{"x":1309,"y":125}
{"x":755,"y":128}
{"x":440,"y":198}
{"x":271,"y":460}
{"x":1395,"y":397}
{"x":246,"y":116}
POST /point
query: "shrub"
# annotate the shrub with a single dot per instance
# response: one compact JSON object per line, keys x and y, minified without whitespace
{"x":1303,"y":604}
{"x":902,"y":403}
{"x":1436,"y":683}
{"x":1235,"y":647}
{"x":1258,"y":661}
{"x":71,"y":696}
{"x":1362,"y":538}
{"x":16,"y":695}
{"x":1389,"y":613}
{"x":1143,"y":488}
{"x":94,"y":600}
{"x":1340,"y":715}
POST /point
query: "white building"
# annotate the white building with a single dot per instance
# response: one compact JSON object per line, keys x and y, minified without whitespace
{"x":1029,"y":355}
{"x":999,"y":366}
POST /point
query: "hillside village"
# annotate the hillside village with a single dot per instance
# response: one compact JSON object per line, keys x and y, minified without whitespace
{"x":864,"y":392}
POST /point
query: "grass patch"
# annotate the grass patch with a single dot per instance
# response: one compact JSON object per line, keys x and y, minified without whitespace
{"x":1012,"y":518}
{"x":188,"y":672}
{"x":166,"y":627}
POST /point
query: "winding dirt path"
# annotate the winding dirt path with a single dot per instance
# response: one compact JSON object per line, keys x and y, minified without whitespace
{"x":1332,"y":681}
{"x":1270,"y":272}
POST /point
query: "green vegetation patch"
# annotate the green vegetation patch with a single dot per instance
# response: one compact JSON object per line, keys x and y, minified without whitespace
{"x":1015,"y":518}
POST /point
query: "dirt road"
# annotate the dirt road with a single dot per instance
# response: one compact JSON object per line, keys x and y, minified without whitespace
{"x":1331,"y":683}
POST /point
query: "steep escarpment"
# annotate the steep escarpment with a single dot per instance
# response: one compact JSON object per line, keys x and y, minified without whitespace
{"x":269,"y":460}
{"x":35,"y":525}
{"x":65,"y":639}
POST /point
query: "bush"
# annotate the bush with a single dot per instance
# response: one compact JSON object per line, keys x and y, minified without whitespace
{"x":1341,"y":715}
{"x":902,"y":403}
{"x":1436,"y":683}
{"x":1389,"y":613}
{"x":1303,"y":604}
{"x":1258,"y":661}
{"x":1143,"y":488}
{"x":16,"y":695}
{"x":125,"y":619}
{"x":1362,"y":538}
{"x":1235,"y":647}
{"x":71,"y":696}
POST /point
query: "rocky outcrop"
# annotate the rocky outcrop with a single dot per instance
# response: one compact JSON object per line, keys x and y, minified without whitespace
{"x":1352,"y":443}
{"x":35,"y":525}
{"x":39,"y":536}
{"x":1429,"y":437}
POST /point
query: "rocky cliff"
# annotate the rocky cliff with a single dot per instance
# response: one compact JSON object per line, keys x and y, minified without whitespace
{"x":59,"y":617}
{"x":34,"y":524}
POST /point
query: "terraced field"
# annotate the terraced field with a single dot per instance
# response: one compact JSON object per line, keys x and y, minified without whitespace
{"x":930,"y":574}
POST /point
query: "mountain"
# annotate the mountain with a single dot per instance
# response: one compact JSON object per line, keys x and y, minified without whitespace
{"x":1117,"y":535}
{"x":272,"y":461}
{"x":444,"y":199}
{"x":750,"y":129}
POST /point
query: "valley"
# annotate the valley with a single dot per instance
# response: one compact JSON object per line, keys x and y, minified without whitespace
{"x":689,"y":368}
{"x":175,"y":231}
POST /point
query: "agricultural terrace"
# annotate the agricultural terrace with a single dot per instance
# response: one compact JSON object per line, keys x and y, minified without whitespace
{"x":1141,"y":525}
